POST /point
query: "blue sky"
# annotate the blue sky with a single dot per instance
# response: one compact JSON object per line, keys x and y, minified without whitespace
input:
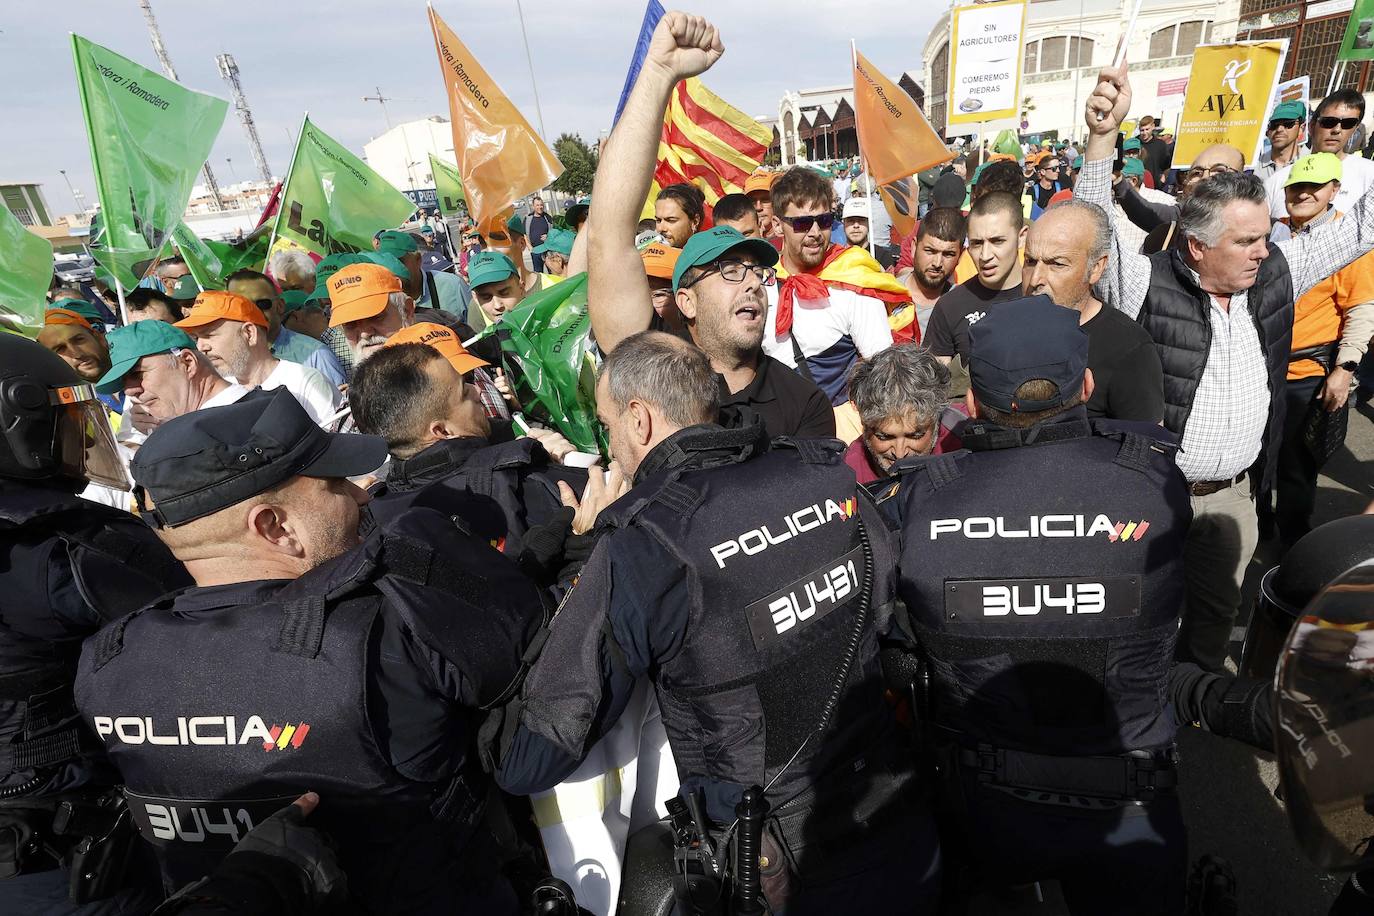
{"x":325,"y":56}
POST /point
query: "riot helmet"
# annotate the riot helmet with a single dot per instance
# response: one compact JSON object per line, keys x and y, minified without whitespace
{"x":52,"y":424}
{"x":1324,"y":701}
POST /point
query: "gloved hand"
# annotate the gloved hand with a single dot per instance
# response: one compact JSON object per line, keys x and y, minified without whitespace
{"x":285,"y":836}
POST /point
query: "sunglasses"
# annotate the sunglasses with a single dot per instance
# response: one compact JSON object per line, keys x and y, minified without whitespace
{"x":264,"y":304}
{"x":804,"y":223}
{"x":1342,"y":123}
{"x":1286,"y":123}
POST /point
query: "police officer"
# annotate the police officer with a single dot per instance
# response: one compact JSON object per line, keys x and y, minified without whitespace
{"x":67,"y":566}
{"x":415,"y":392}
{"x":752,"y":585}
{"x":1041,"y":569}
{"x":305,"y":659}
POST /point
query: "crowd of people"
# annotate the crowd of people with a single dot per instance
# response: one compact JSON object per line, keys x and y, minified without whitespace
{"x":932,"y":541}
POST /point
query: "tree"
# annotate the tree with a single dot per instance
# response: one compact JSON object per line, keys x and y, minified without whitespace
{"x":579,"y":165}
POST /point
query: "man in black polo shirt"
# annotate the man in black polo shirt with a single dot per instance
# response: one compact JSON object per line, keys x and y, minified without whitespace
{"x":718,"y":281}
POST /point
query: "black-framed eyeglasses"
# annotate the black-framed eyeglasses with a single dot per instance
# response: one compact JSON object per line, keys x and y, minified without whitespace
{"x":804,"y":223}
{"x":1343,"y":123}
{"x":734,"y":272}
{"x":1214,"y":170}
{"x":1285,"y":123}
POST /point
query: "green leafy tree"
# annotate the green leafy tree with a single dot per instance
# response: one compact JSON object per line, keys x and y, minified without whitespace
{"x":579,"y":165}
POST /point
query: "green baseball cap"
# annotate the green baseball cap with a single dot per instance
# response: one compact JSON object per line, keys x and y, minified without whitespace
{"x":388,"y":260}
{"x":489,"y":267}
{"x":295,"y":299}
{"x":707,"y":247}
{"x":1077,"y":162}
{"x":398,"y":243}
{"x":1317,"y":168}
{"x":559,"y":240}
{"x":1291,"y":109}
{"x":186,"y":290}
{"x":328,"y":267}
{"x":1131,"y":144}
{"x":84,"y":309}
{"x":516,"y":224}
{"x":1133,"y":168}
{"x":134,"y":341}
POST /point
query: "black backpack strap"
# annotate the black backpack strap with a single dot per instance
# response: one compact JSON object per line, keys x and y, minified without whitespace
{"x":803,"y":367}
{"x":410,"y":559}
{"x":942,"y":470}
{"x":813,"y":451}
{"x":679,"y":497}
{"x":1134,"y":453}
{"x":109,"y":641}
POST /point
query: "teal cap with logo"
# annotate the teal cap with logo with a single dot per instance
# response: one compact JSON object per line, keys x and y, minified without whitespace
{"x":134,"y":341}
{"x":83,"y":308}
{"x":1290,"y":110}
{"x":707,"y":247}
{"x":558,"y":240}
{"x":397,"y":243}
{"x":1133,"y":168}
{"x":1131,"y":145}
{"x":489,"y":267}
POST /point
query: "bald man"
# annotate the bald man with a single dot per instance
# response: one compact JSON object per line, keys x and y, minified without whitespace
{"x":1158,"y":219}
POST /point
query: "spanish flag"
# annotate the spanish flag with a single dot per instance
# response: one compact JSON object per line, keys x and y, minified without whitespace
{"x":708,"y":143}
{"x":844,"y":267}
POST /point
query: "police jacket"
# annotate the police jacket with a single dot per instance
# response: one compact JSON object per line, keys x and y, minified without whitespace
{"x":499,"y":492}
{"x":1175,"y":313}
{"x":362,"y":680}
{"x":67,"y":566}
{"x":734,"y":576}
{"x":1043,"y":573}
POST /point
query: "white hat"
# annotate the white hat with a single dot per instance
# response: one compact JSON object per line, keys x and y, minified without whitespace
{"x":856,"y":206}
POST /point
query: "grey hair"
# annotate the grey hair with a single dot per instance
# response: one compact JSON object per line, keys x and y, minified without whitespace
{"x":1200,"y":213}
{"x":904,"y":378}
{"x":294,"y":267}
{"x":671,"y":374}
{"x":1102,"y":229}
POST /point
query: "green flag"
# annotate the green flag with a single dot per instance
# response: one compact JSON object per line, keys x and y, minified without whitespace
{"x":203,"y":263}
{"x":333,"y":202}
{"x":548,"y":336}
{"x":448,"y":185}
{"x":25,"y":272}
{"x":149,"y":137}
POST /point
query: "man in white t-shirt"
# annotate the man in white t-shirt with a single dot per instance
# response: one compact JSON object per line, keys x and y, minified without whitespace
{"x":1335,"y":120}
{"x":232,"y":331}
{"x":160,"y":366}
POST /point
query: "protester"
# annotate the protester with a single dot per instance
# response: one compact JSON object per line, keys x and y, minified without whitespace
{"x":1224,"y":351}
{"x":1160,"y":220}
{"x":1334,"y":121}
{"x":935,"y":251}
{"x":758,"y":188}
{"x":855,"y":215}
{"x":1155,"y":153}
{"x":901,"y":398}
{"x":556,"y":252}
{"x":1286,"y":131}
{"x":738,"y":212}
{"x":172,"y":273}
{"x":293,"y":269}
{"x":232,"y":331}
{"x":158,"y":365}
{"x":283,"y":342}
{"x":72,"y":337}
{"x":304,"y":316}
{"x":438,"y":290}
{"x":679,"y":210}
{"x":1066,"y":254}
{"x":1332,"y":326}
{"x":1045,"y":185}
{"x":660,"y":259}
{"x":145,"y":302}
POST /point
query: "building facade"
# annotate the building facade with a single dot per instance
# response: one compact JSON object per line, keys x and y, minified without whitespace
{"x":1069,"y":41}
{"x":818,"y":124}
{"x":25,"y":200}
{"x":1314,"y":32}
{"x":401,"y":155}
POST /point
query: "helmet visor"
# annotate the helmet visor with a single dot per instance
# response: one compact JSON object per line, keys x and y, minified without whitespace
{"x":85,"y":443}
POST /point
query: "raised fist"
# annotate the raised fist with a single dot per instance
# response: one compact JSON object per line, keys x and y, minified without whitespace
{"x":684,"y":45}
{"x":1110,"y":101}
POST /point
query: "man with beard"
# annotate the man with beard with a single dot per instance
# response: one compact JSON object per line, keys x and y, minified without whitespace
{"x":72,"y":337}
{"x":934,"y":253}
{"x":1066,"y":253}
{"x":308,"y":657}
{"x":232,"y":332}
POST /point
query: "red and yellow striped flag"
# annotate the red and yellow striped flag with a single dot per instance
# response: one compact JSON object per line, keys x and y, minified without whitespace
{"x":708,"y":143}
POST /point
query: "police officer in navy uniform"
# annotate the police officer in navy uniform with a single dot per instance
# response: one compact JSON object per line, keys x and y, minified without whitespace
{"x":1041,"y":568}
{"x":67,"y":566}
{"x":752,"y":585}
{"x":308,"y":659}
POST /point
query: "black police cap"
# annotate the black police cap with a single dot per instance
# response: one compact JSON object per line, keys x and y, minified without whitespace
{"x":1021,"y":340}
{"x":207,"y":460}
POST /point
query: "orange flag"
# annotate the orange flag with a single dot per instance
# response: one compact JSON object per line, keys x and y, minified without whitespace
{"x":895,"y":139}
{"x":500,"y":157}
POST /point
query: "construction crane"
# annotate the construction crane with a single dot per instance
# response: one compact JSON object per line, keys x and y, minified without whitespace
{"x":161,"y":51}
{"x":230,"y":71}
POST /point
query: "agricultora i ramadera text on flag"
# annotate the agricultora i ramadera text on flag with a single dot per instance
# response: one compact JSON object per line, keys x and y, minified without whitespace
{"x":707,"y":142}
{"x":500,"y":157}
{"x":334,"y":202}
{"x":25,"y":272}
{"x":895,"y":138}
{"x":986,"y":49}
{"x":1230,"y":93}
{"x":448,"y":186}
{"x":149,"y":137}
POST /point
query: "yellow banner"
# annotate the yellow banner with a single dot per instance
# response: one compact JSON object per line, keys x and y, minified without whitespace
{"x":500,"y":157}
{"x":986,"y":48}
{"x":1230,"y":91}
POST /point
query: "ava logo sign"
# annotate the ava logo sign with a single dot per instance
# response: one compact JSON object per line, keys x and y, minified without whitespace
{"x":1234,"y":71}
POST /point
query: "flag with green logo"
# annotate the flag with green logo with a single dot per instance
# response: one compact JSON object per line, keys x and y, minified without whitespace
{"x":149,"y":137}
{"x":333,"y":202}
{"x":547,"y":341}
{"x":201,"y":261}
{"x":448,"y":186}
{"x":25,"y":273}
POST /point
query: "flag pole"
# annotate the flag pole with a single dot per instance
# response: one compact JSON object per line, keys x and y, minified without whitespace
{"x":281,"y":201}
{"x":863,"y":163}
{"x":119,"y":292}
{"x":530,"y":61}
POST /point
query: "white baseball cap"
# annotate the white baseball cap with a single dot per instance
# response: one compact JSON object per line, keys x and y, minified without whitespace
{"x":856,"y":206}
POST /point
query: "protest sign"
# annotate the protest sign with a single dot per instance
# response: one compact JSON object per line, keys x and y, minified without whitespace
{"x":986,"y":49}
{"x":1230,"y":93}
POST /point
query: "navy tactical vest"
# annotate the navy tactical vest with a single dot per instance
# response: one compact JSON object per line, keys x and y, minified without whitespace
{"x":215,"y":721}
{"x":1045,"y":583}
{"x":117,"y":564}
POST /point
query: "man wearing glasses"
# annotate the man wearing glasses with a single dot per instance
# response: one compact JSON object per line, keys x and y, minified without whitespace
{"x":1045,"y":186}
{"x":1286,"y":133}
{"x":1334,"y":121}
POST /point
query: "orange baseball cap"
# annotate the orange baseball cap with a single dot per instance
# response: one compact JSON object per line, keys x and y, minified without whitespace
{"x":66,"y":316}
{"x":360,"y":291}
{"x":215,"y":305}
{"x":759,"y":181}
{"x":441,"y":339}
{"x":659,"y":260}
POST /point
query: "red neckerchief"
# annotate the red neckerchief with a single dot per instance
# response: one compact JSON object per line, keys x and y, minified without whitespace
{"x":806,"y":285}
